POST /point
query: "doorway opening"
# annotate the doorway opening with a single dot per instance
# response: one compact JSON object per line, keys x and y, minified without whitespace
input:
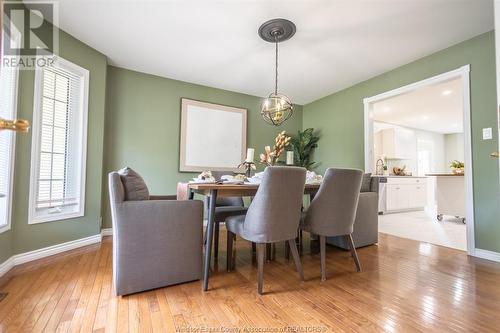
{"x":418,"y":141}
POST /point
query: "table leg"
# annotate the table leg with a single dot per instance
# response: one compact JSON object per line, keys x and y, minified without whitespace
{"x":210,"y":236}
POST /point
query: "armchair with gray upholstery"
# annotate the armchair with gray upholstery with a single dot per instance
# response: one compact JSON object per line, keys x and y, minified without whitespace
{"x":156,"y":242}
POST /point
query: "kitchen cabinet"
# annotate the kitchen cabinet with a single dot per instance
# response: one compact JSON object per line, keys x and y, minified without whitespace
{"x":397,"y":197}
{"x":405,"y":193}
{"x":398,"y":143}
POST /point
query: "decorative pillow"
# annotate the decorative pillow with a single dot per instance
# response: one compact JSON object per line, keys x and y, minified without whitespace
{"x":366,"y":182}
{"x":134,"y":185}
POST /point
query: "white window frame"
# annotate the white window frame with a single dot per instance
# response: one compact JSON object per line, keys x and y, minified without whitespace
{"x":35,"y":144}
{"x":7,"y":226}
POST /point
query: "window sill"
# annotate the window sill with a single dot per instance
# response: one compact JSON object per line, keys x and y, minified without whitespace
{"x":55,"y":217}
{"x":4,"y":228}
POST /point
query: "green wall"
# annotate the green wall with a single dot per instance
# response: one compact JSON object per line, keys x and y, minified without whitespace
{"x":134,"y":120}
{"x":143,"y":123}
{"x":339,"y":117}
{"x":5,"y":246}
{"x":26,"y":237}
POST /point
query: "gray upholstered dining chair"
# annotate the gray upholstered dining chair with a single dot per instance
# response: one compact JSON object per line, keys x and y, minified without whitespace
{"x":333,"y":210}
{"x":224,"y":208}
{"x":273,"y":216}
{"x":149,"y":233}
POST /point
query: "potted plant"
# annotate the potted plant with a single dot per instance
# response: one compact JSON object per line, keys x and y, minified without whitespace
{"x":457,"y":167}
{"x":303,"y":146}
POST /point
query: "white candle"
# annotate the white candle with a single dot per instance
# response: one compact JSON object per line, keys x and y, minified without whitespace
{"x":289,"y":157}
{"x":250,"y":153}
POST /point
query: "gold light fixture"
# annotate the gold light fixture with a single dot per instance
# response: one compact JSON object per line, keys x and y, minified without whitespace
{"x":18,"y":125}
{"x":276,"y":108}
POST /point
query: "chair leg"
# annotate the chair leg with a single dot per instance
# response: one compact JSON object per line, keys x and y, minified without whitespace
{"x":354,"y":254}
{"x":261,"y":252}
{"x":216,"y":240}
{"x":287,"y":251}
{"x":322,"y":250}
{"x":229,"y":243}
{"x":296,"y":258}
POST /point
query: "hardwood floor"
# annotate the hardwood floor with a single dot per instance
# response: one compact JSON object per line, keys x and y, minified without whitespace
{"x":405,"y":286}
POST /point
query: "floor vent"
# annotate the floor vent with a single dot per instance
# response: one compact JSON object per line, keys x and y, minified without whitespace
{"x":2,"y":296}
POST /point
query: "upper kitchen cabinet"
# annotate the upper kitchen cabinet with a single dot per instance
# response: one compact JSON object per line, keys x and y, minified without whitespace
{"x":398,"y":143}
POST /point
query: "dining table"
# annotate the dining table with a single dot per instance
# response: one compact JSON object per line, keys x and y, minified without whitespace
{"x":214,"y":190}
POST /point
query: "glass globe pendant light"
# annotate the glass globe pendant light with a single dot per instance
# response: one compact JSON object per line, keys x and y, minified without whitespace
{"x":276,"y":108}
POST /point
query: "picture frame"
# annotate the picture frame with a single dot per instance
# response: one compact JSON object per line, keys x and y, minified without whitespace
{"x":213,"y":136}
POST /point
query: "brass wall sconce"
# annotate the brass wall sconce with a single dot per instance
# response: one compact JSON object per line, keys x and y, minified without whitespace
{"x":18,"y":125}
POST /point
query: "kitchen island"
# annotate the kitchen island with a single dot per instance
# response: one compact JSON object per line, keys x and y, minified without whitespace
{"x":450,"y":195}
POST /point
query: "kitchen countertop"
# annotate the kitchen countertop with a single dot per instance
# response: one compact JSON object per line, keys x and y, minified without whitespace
{"x":394,"y":176}
{"x":444,"y":175}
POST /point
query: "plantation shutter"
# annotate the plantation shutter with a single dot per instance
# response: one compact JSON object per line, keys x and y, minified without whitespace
{"x":60,"y":154}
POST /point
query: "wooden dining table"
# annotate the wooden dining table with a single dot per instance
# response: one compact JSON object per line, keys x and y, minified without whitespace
{"x":212,"y":191}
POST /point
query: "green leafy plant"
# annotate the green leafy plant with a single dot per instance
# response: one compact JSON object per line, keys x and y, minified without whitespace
{"x":303,"y":146}
{"x":457,"y":164}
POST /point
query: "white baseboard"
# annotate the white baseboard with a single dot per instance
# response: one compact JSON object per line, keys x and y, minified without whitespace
{"x":6,"y":266}
{"x":107,"y":232}
{"x":485,"y":254}
{"x":22,"y":258}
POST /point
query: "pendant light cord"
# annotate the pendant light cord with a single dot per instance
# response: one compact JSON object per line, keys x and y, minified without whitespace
{"x":276,"y":67}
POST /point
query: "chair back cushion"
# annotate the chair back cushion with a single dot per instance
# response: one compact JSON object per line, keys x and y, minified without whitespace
{"x":133,"y":184}
{"x":274,"y":213}
{"x":333,"y":209}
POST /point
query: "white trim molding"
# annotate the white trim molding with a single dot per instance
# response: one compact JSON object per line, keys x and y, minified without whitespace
{"x":488,"y":255}
{"x":80,"y":105}
{"x":463,"y":73}
{"x":22,"y":258}
{"x":6,"y":266}
{"x":107,"y":232}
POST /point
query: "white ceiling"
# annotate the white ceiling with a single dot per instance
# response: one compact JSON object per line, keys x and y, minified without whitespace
{"x":215,"y":43}
{"x":436,"y":108}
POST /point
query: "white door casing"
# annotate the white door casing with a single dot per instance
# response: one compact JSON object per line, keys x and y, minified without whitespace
{"x":463,"y":73}
{"x":497,"y":49}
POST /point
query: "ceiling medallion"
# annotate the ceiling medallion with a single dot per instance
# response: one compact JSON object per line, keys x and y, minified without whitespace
{"x":276,"y":108}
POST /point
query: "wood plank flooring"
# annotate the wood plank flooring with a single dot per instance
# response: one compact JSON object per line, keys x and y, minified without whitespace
{"x":405,"y":286}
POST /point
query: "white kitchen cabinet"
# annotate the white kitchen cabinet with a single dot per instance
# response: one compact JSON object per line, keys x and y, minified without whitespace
{"x":397,"y":197}
{"x":418,"y":196}
{"x":405,"y":193}
{"x":398,"y":143}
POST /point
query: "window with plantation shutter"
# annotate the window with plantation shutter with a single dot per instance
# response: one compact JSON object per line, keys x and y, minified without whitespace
{"x":58,"y":160}
{"x":8,"y":106}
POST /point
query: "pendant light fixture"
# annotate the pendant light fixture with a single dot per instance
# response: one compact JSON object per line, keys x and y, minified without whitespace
{"x":276,"y":108}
